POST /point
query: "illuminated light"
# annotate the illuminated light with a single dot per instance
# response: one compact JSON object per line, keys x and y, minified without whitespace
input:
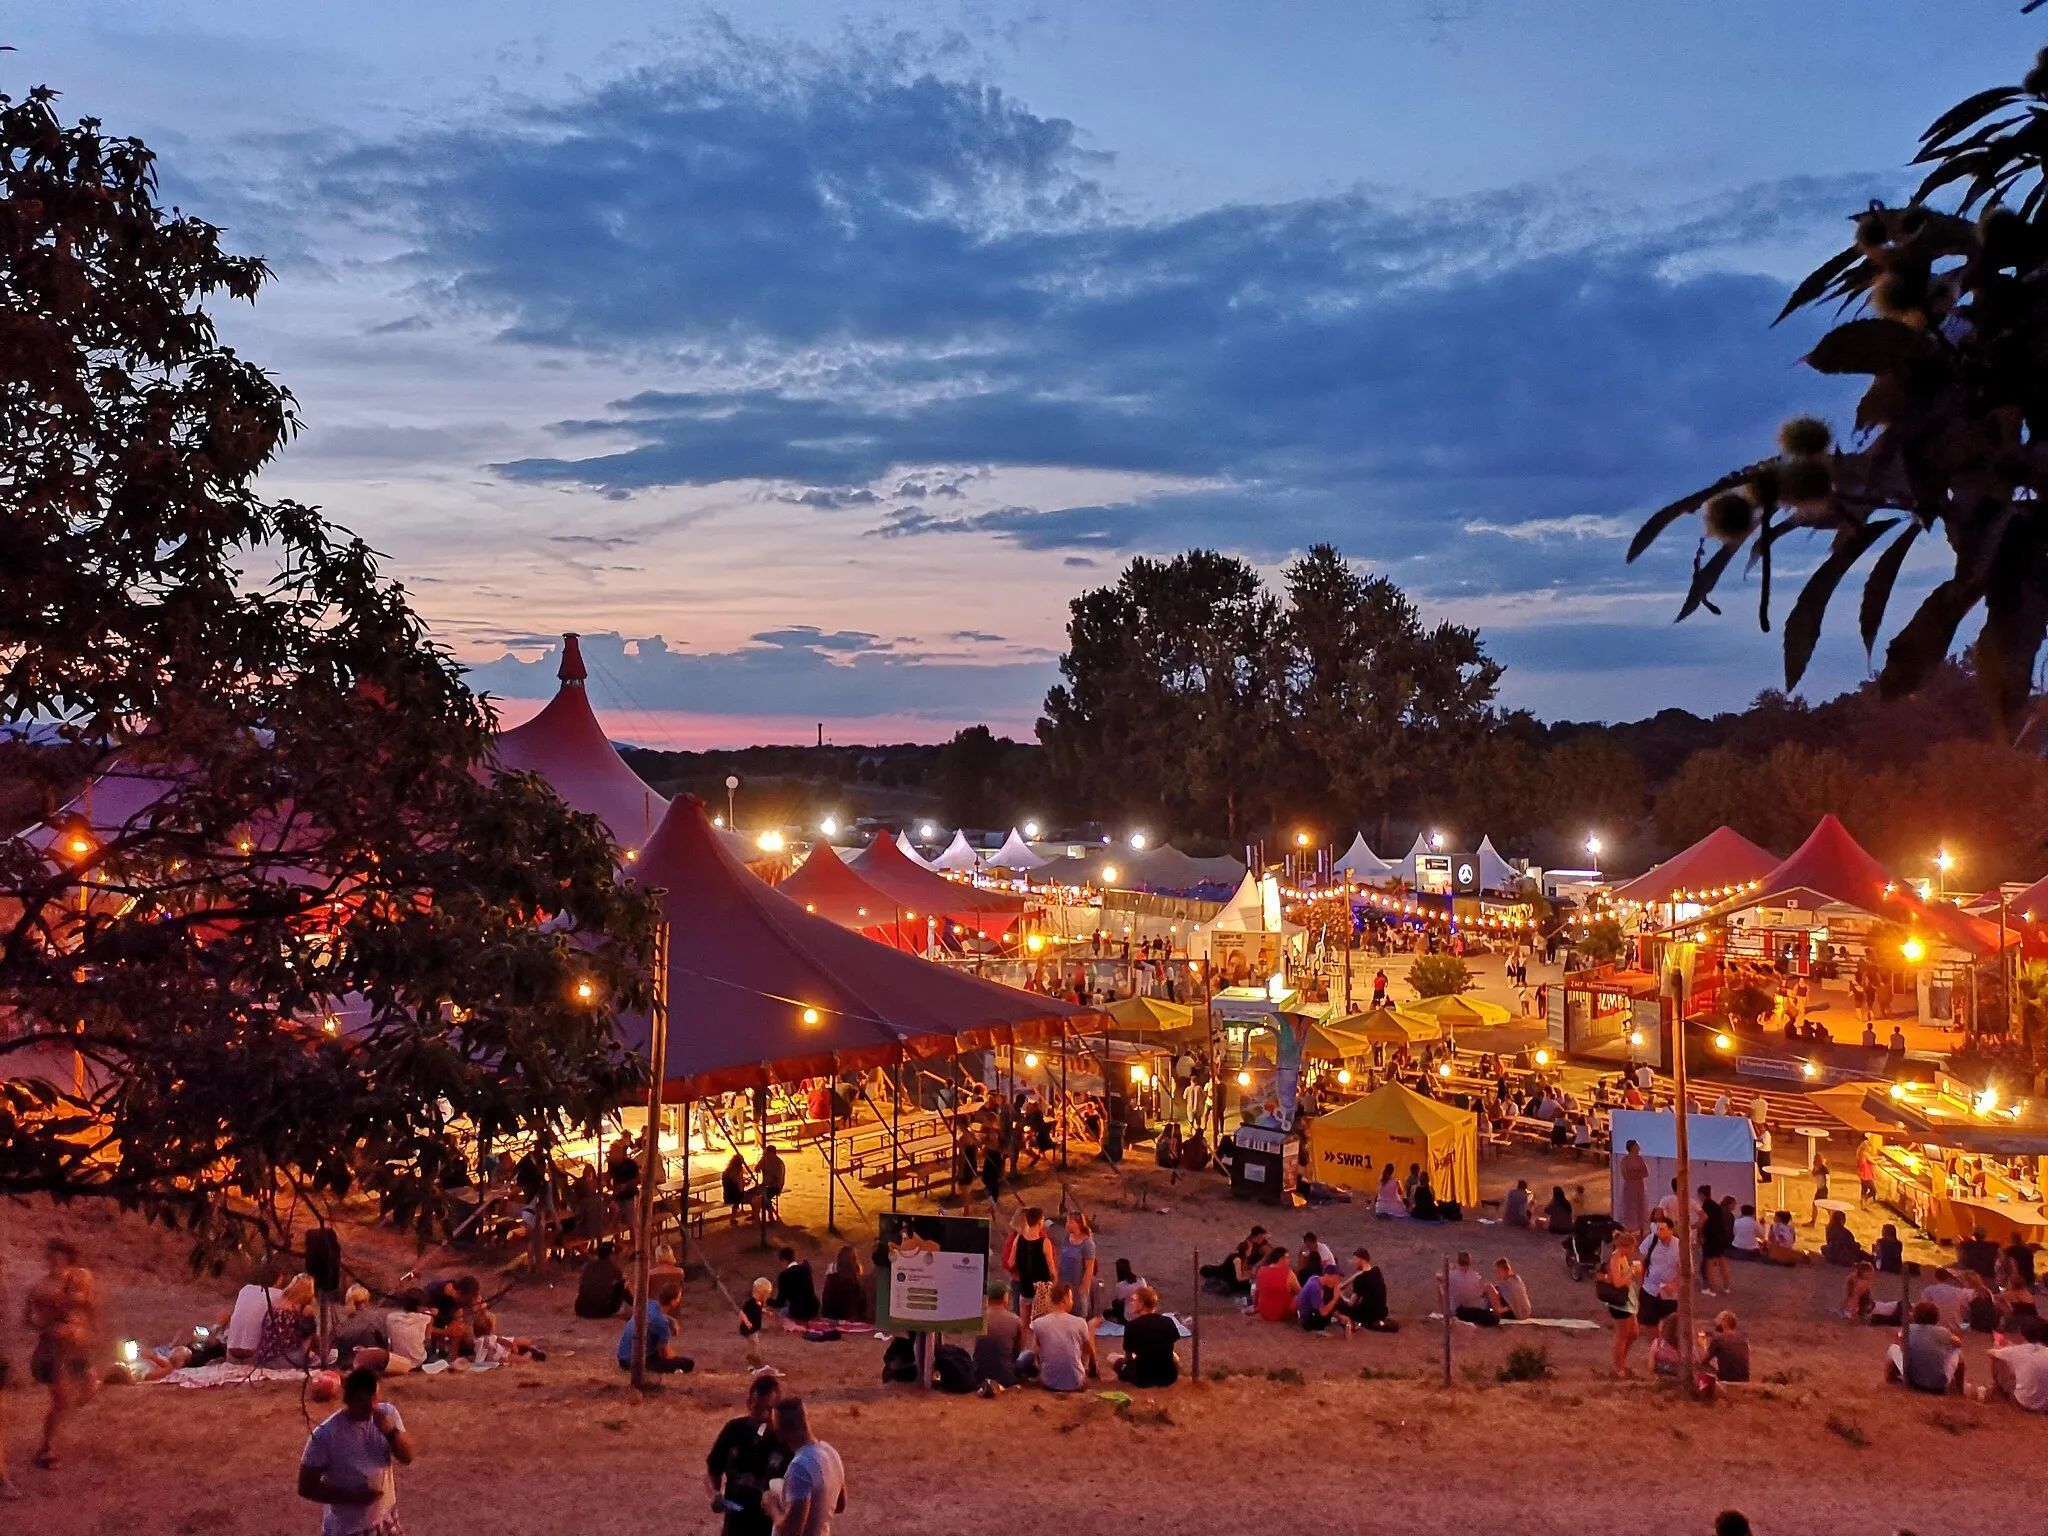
{"x":80,"y":845}
{"x":718,"y":821}
{"x":926,"y":830}
{"x":1244,"y":1079}
{"x":1344,"y":1076}
{"x":1031,"y":829}
{"x":585,"y":991}
{"x":1722,"y":1042}
{"x":1808,"y":1069}
{"x":1444,"y":1070}
{"x":1301,"y":839}
{"x":1913,"y":950}
{"x":1276,"y":986}
{"x":131,"y":1351}
{"x":632,"y":855}
{"x":1137,"y":1072}
{"x":1987,"y":1101}
{"x":243,"y":845}
{"x":1109,"y":874}
{"x":829,"y":826}
{"x":1943,"y":862}
{"x":910,"y":914}
{"x":810,"y":906}
{"x":1035,"y":943}
{"x":1593,"y":846}
{"x":1542,"y":1058}
{"x":1897,"y":1090}
{"x":1031,"y":1058}
{"x":1436,"y":839}
{"x":770,"y":842}
{"x":1137,"y":840}
{"x":331,"y":1023}
{"x":1635,"y":1037}
{"x":810,"y":1015}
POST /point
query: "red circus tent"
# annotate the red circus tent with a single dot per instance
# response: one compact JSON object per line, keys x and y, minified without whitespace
{"x":565,"y":745}
{"x":824,"y":885}
{"x":882,"y":865}
{"x":1831,"y":866}
{"x":1712,"y":869}
{"x":761,"y":991}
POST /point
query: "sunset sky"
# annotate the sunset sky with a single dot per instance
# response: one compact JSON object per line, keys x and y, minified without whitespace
{"x":809,"y":358}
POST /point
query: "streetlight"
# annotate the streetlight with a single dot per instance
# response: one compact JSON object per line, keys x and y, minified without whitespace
{"x":1942,"y":865}
{"x":927,"y":832}
{"x":732,"y":782}
{"x":1593,"y":848}
{"x":1031,"y":829}
{"x":1138,"y":840}
{"x":1436,"y":840}
{"x":1914,"y":951}
{"x":1301,"y":839}
{"x":829,"y":826}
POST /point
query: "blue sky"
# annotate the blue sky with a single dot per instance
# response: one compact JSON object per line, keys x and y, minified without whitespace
{"x":814,"y":360}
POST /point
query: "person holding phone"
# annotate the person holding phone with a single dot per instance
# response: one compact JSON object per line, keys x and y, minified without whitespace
{"x":348,"y":1462}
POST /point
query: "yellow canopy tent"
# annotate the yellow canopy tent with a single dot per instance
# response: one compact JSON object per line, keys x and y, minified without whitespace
{"x":1389,"y":1026}
{"x":1395,"y":1124}
{"x":1151,"y":1014}
{"x":1458,"y":1011}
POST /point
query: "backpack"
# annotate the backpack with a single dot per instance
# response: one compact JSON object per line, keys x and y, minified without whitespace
{"x":953,"y":1369}
{"x":899,"y":1360}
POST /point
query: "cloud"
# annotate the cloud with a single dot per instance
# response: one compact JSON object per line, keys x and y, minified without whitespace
{"x":975,"y":636}
{"x":793,"y":672}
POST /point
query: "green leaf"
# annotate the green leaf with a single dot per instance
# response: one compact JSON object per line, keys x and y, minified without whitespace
{"x":1802,"y":625}
{"x":1664,"y":517}
{"x":1704,"y":579}
{"x":1965,"y":112}
{"x":1868,"y":346}
{"x":1920,"y":647}
{"x":1877,"y":591}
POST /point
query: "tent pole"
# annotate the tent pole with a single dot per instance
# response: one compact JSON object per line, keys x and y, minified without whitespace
{"x":683,"y":1221}
{"x":1685,"y":1190}
{"x":896,"y":1141}
{"x":650,"y":1150}
{"x":832,"y":1152}
{"x":1066,"y":1101}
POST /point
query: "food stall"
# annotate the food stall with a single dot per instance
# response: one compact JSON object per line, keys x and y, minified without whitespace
{"x":1954,"y":1158}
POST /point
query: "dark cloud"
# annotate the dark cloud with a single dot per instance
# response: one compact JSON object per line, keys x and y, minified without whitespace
{"x":974,"y":637}
{"x":802,"y":637}
{"x":912,"y":270}
{"x":789,"y":673}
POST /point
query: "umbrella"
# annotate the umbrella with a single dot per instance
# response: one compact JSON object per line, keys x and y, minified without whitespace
{"x":1455,"y":1011}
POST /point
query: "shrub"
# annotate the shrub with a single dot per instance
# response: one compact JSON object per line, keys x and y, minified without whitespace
{"x":1525,"y":1362}
{"x":1439,"y":976}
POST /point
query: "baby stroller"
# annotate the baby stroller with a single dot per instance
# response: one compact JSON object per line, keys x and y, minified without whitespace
{"x":1582,"y":1249}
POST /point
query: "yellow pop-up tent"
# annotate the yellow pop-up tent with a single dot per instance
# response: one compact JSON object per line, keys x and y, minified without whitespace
{"x":1388,"y":1026}
{"x":1458,"y":1010}
{"x":1150,"y":1015}
{"x":1395,"y":1124}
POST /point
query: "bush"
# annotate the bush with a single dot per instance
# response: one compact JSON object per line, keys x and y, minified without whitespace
{"x":1526,"y":1362}
{"x":1439,"y":975}
{"x":1604,"y":942}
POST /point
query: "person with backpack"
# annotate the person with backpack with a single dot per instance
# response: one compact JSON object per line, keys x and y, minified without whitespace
{"x":1031,"y":1261}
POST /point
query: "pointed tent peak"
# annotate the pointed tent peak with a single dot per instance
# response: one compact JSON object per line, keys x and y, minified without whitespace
{"x":1397,"y":1108}
{"x":1717,"y":865}
{"x":1015,"y":854}
{"x":960,"y":854}
{"x":566,"y":746}
{"x":1495,"y":872}
{"x":1360,"y":860}
{"x":572,"y":669}
{"x":906,"y":847}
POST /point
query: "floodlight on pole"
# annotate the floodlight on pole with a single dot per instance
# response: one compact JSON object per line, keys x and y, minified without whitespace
{"x":732,"y":782}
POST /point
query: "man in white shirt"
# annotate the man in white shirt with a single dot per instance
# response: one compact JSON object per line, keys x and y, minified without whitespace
{"x":244,"y":1330}
{"x":347,"y":1464}
{"x":1745,"y":1239}
{"x":1063,"y":1342}
{"x":1660,"y":1259}
{"x":1948,"y":1298}
{"x":813,"y":1491}
{"x":1645,"y":1079}
{"x":2020,"y":1371}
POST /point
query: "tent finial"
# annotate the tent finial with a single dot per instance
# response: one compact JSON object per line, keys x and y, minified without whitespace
{"x":571,"y":670}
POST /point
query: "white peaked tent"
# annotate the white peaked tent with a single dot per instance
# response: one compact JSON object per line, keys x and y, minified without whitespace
{"x":1495,"y":872}
{"x":1407,"y":867}
{"x":959,"y":855}
{"x":1015,"y":854}
{"x":909,"y":851}
{"x":1362,"y":863}
{"x":1245,"y":912}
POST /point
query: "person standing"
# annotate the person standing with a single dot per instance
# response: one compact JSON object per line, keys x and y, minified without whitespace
{"x":1031,"y":1262}
{"x":1635,"y":1189}
{"x":1078,"y":1263}
{"x":1820,"y":1188}
{"x":744,"y":1459}
{"x":348,"y":1460}
{"x":814,"y":1485}
{"x":63,"y":1312}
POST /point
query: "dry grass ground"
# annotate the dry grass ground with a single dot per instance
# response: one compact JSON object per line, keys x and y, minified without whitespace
{"x":1284,"y":1429}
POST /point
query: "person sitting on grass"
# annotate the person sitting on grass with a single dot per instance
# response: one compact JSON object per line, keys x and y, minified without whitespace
{"x":1063,"y":1344}
{"x":1557,"y":1215}
{"x":1511,"y":1295}
{"x":1315,"y":1304}
{"x":1928,"y":1356}
{"x":846,"y":1296}
{"x":1422,"y":1204}
{"x":1664,"y":1347}
{"x":361,"y":1340}
{"x":1001,"y":1342}
{"x":663,"y":1310}
{"x":459,"y":1315}
{"x":1150,"y":1341}
{"x":287,"y":1328}
{"x":1517,"y":1207}
{"x":2019,"y":1371}
{"x":1727,"y":1351}
{"x":1389,"y":1203}
{"x":1466,"y":1296}
{"x":1127,"y":1282}
{"x":1781,"y":1243}
{"x":1364,"y":1303}
{"x":1275,"y":1287}
{"x":796,"y":1288}
{"x":601,"y":1289}
{"x":1839,"y":1245}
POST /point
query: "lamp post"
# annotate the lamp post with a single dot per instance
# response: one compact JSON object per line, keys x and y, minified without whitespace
{"x":1686,"y":1341}
{"x":732,"y":782}
{"x":1593,"y":850}
{"x":650,"y":1152}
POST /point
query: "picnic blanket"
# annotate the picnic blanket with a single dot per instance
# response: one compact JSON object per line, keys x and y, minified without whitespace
{"x":1109,"y":1329}
{"x":224,"y":1373}
{"x":1569,"y":1324}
